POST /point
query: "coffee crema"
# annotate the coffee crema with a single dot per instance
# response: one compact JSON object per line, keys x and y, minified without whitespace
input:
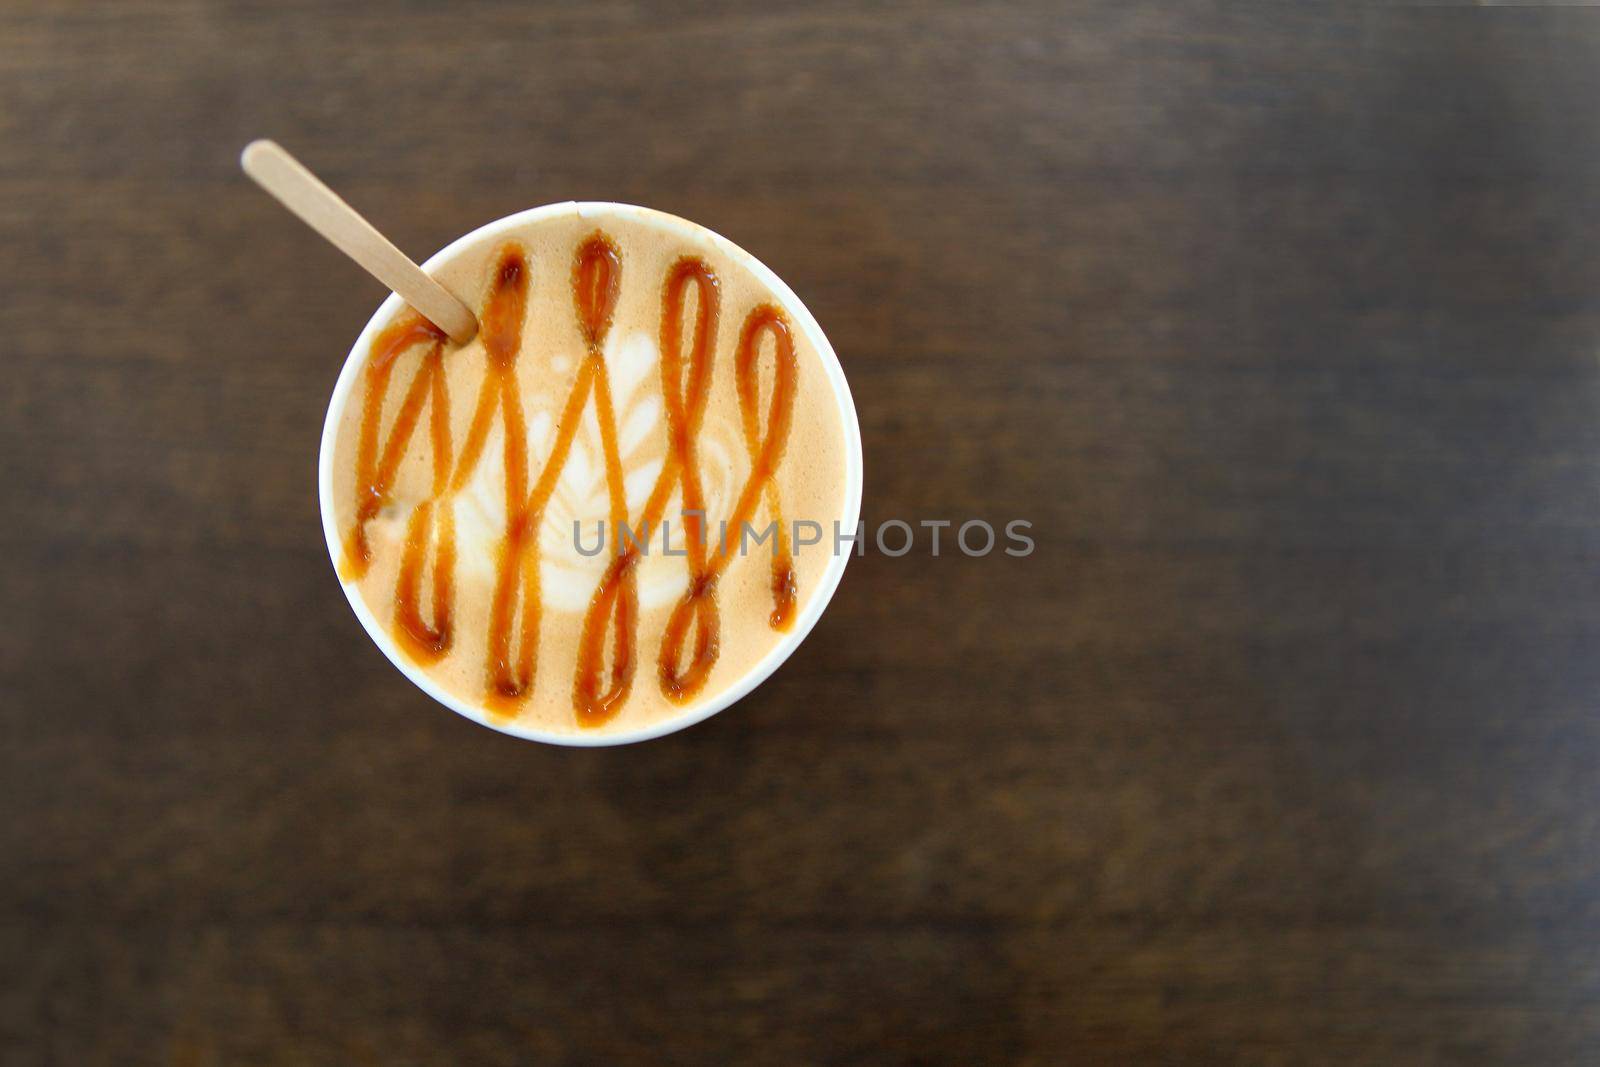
{"x":474,"y":615}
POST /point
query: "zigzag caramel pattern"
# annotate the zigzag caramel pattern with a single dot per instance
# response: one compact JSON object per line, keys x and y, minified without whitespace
{"x":515,"y":608}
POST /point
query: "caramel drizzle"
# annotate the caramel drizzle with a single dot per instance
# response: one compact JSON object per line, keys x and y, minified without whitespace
{"x":596,"y":280}
{"x":699,"y":602}
{"x":375,"y":475}
{"x":765,"y":454}
{"x":596,"y":283}
{"x":508,"y":672}
{"x":685,"y":405}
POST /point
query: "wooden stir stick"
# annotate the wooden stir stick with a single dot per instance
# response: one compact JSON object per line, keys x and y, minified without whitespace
{"x":319,"y":207}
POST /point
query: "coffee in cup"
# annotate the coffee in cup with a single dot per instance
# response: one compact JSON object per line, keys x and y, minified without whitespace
{"x":616,"y":509}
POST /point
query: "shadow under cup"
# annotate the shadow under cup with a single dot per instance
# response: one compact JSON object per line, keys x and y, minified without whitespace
{"x":810,"y":605}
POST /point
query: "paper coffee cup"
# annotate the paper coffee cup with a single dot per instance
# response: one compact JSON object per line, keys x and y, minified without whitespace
{"x":809,"y":612}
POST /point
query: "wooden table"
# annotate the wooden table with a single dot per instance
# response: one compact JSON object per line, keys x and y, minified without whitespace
{"x":1280,"y":326}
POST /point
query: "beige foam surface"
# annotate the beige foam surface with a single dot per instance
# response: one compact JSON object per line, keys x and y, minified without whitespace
{"x":811,"y":478}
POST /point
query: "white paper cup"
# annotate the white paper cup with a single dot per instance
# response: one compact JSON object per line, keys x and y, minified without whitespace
{"x":813,"y":607}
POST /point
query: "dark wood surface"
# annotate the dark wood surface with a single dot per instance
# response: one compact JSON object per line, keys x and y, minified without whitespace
{"x":1280,"y":325}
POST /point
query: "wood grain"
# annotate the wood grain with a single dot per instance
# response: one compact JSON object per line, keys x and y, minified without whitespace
{"x":1279,"y":324}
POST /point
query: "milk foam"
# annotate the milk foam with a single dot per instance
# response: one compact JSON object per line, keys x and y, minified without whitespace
{"x":810,"y":480}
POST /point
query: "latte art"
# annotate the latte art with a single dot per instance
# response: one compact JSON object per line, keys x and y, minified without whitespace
{"x":468,"y":469}
{"x":567,"y":575}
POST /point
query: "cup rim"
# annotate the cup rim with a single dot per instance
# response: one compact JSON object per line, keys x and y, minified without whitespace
{"x":763,"y":668}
